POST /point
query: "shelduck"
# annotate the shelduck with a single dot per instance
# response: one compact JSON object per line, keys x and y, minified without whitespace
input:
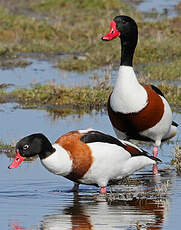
{"x":85,"y":157}
{"x":136,"y":111}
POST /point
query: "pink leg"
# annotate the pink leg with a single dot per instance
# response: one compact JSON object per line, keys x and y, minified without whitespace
{"x":155,"y":169}
{"x":103,"y":190}
{"x":155,"y":151}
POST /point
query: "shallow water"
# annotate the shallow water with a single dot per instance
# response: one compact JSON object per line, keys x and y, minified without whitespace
{"x":41,"y":71}
{"x":32,"y":198}
{"x":166,"y":7}
{"x":36,"y":202}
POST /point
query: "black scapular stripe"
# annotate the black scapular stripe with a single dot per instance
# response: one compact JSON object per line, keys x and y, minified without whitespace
{"x":157,"y":90}
{"x":96,"y":136}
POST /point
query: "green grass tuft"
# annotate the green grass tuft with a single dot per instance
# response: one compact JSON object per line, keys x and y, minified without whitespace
{"x":82,"y":97}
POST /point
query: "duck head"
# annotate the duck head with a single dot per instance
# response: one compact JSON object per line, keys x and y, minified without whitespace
{"x":122,"y":26}
{"x":30,"y":146}
{"x":126,"y":29}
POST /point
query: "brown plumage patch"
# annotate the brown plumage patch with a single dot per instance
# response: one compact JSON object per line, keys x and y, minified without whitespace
{"x":132,"y":150}
{"x":133,"y":123}
{"x":79,"y":153}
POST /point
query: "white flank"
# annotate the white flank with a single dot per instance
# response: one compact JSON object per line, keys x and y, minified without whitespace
{"x":128,"y":95}
{"x":172,"y":132}
{"x":112,"y":162}
{"x":59,"y":162}
{"x":137,"y":163}
{"x":162,"y":128}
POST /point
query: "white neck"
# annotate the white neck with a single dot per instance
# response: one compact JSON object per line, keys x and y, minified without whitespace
{"x":128,"y":95}
{"x":59,"y":162}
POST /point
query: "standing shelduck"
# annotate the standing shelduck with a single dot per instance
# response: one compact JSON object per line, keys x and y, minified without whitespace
{"x":136,"y":111}
{"x":85,"y":157}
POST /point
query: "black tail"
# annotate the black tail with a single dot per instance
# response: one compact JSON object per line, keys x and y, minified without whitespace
{"x":174,"y":124}
{"x":154,"y":158}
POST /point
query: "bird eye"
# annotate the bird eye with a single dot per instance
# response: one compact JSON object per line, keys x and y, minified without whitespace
{"x":25,"y":147}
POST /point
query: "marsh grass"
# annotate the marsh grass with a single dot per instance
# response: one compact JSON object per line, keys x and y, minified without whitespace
{"x":81,"y":97}
{"x":162,"y":70}
{"x":158,"y":50}
{"x":176,"y":161}
{"x":74,"y":26}
{"x":7,"y":149}
{"x":59,"y":100}
{"x":172,"y":93}
{"x":13,"y":63}
{"x":74,"y":99}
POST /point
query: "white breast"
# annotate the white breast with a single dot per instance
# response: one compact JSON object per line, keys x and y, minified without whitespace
{"x":59,"y":162}
{"x":128,"y":95}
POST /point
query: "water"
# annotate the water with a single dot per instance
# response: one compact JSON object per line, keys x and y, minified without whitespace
{"x":33,"y":203}
{"x":39,"y":72}
{"x":31,"y":199}
{"x":166,"y":7}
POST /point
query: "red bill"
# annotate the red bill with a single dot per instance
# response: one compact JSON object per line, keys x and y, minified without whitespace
{"x":17,"y":161}
{"x":113,"y":33}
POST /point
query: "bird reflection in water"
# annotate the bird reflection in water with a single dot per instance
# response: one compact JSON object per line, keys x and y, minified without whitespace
{"x":85,"y":211}
{"x":92,"y":215}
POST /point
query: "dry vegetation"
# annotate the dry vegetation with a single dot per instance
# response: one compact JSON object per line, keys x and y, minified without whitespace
{"x":176,"y":161}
